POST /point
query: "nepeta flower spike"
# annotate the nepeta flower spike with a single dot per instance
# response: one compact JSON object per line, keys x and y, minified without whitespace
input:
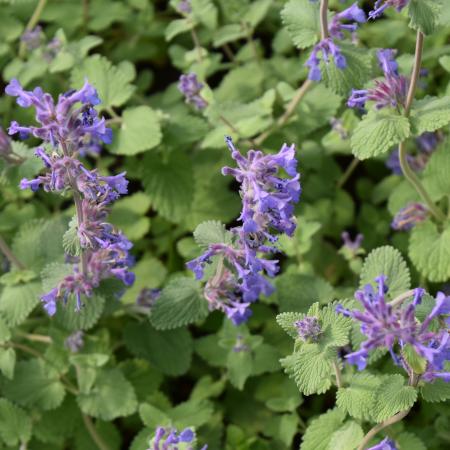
{"x":381,"y":5}
{"x":385,"y":325}
{"x":409,"y":216}
{"x":389,"y":92}
{"x":190,"y":87}
{"x":68,"y":126}
{"x":327,"y":49}
{"x":385,"y":444}
{"x":169,"y":439}
{"x":308,"y":329}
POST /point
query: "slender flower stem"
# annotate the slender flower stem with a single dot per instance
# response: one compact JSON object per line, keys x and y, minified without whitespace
{"x":381,"y":426}
{"x":34,"y":19}
{"x":197,"y":45}
{"x":90,"y":427}
{"x":348,"y":172}
{"x":402,"y":297}
{"x":324,"y":19}
{"x":402,"y":153}
{"x":36,"y":337}
{"x":301,"y":91}
{"x":337,"y":371}
{"x":4,"y":248}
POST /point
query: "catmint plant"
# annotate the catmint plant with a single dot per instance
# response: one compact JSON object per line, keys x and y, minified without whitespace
{"x":67,"y":128}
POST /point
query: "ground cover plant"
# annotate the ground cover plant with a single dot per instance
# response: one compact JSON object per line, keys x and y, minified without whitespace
{"x":224,"y":224}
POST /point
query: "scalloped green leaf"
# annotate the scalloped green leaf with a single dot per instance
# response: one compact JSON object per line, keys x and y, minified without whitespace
{"x":301,"y":19}
{"x":386,"y":261}
{"x":429,"y":250}
{"x":181,"y":303}
{"x":430,"y":114}
{"x":424,"y":14}
{"x":15,"y":425}
{"x":378,"y":132}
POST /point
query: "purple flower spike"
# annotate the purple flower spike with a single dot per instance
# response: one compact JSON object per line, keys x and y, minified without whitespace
{"x":184,"y":6}
{"x":190,"y":87}
{"x":381,"y":5}
{"x":385,"y":444}
{"x":268,"y":206}
{"x":308,"y":329}
{"x":390,"y":326}
{"x":388,"y":92}
{"x":409,"y":216}
{"x":167,"y":439}
{"x":354,"y":245}
{"x":69,"y":125}
{"x":75,"y":341}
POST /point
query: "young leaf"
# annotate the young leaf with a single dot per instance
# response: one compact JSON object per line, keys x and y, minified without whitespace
{"x":392,"y":397}
{"x":386,"y":261}
{"x":35,"y":384}
{"x":320,"y":431}
{"x":139,"y":131}
{"x":358,"y":399}
{"x":15,"y":425}
{"x":347,"y":437}
{"x":429,"y":250}
{"x":181,"y":303}
{"x":424,"y":14}
{"x":112,"y":82}
{"x":112,"y":396}
{"x":169,"y":184}
{"x":211,"y":232}
{"x":437,"y":391}
{"x":301,"y":19}
{"x":377,"y":132}
{"x":430,"y":114}
{"x":310,"y":368}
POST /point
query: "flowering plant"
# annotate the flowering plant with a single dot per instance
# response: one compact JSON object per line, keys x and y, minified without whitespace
{"x":224,"y":225}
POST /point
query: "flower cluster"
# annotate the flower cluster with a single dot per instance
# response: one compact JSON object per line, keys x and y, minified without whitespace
{"x":352,"y":246}
{"x":190,"y":87}
{"x":32,"y":39}
{"x":308,"y":329}
{"x":327,"y":49}
{"x":268,"y":207}
{"x":184,"y":6}
{"x":68,"y":127}
{"x":409,"y":216}
{"x":166,"y":439}
{"x":385,"y":444}
{"x":386,"y":324}
{"x":381,"y":5}
{"x":388,"y":92}
{"x":426,"y":145}
{"x":35,"y":39}
{"x":75,"y":342}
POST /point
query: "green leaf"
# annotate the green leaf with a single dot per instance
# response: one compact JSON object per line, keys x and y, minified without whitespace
{"x":112,"y":82}
{"x":392,"y":397}
{"x":15,"y":425}
{"x":424,"y":15}
{"x":287,"y":320}
{"x":301,"y":19}
{"x":386,"y":261}
{"x":169,"y":351}
{"x":211,"y":232}
{"x":129,"y":215}
{"x":112,"y":396}
{"x":417,"y":363}
{"x":437,"y":391}
{"x":140,"y":130}
{"x":347,"y":437}
{"x":35,"y":384}
{"x":429,"y":114}
{"x":320,"y":431}
{"x":358,"y":399}
{"x":192,"y":413}
{"x":310,"y":368}
{"x":205,"y":12}
{"x":409,"y":441}
{"x":177,"y":27}
{"x":239,"y":365}
{"x":378,"y":132}
{"x":356,"y":73}
{"x":71,"y":242}
{"x":39,"y":242}
{"x":297,"y":292}
{"x":181,"y":303}
{"x":7,"y":362}
{"x":5,"y":333}
{"x":71,"y":319}
{"x":169,"y":183}
{"x":435,"y":180}
{"x":17,"y":302}
{"x":429,"y":250}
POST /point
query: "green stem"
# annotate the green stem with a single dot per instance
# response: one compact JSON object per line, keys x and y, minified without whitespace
{"x":337,"y":371}
{"x":348,"y":172}
{"x":90,"y":427}
{"x":402,"y":153}
{"x":32,"y":23}
{"x":324,"y":19}
{"x":10,"y":256}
